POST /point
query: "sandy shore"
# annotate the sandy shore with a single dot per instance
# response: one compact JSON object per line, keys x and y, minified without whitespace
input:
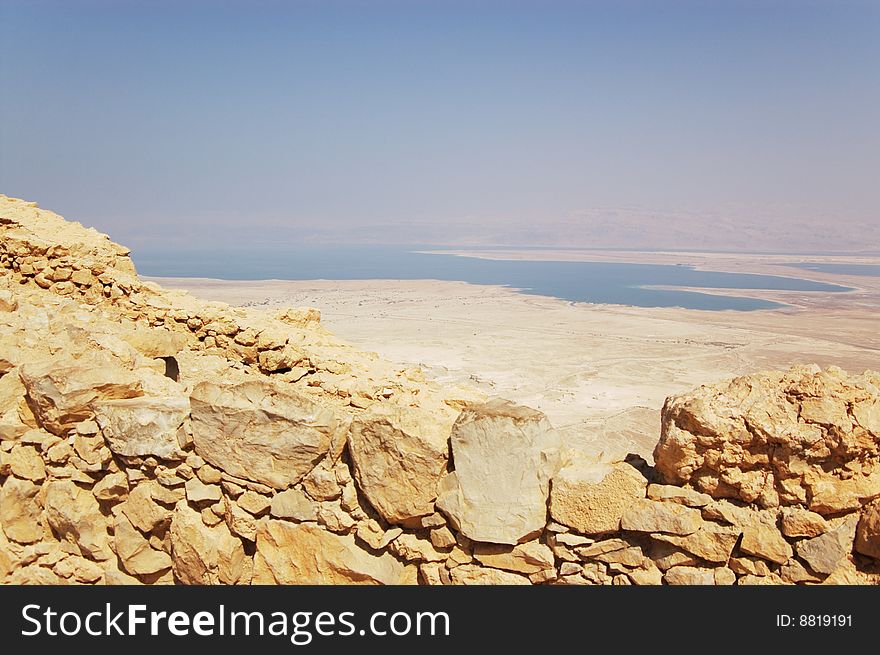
{"x":600,"y":372}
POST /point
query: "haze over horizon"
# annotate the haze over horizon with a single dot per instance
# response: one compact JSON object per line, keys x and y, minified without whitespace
{"x":692,"y":125}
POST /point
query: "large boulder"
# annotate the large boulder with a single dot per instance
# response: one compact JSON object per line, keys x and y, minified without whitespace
{"x":806,"y":437}
{"x":143,"y":426}
{"x":304,"y":553}
{"x":256,"y":431}
{"x":505,"y":456}
{"x":60,"y":392}
{"x":399,"y":455}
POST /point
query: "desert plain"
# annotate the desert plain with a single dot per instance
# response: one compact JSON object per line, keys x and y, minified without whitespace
{"x":600,"y":372}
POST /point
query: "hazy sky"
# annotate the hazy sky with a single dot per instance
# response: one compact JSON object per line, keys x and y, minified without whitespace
{"x":445,"y":121}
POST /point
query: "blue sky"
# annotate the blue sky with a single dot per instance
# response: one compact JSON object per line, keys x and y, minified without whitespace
{"x":437,"y":121}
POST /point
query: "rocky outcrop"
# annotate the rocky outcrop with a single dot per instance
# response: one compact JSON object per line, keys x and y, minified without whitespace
{"x":807,"y":438}
{"x":148,"y":437}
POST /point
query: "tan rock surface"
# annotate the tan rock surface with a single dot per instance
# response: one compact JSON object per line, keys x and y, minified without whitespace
{"x":143,"y":426}
{"x":777,"y":439}
{"x":399,"y":456}
{"x":306,"y":554}
{"x":202,"y":554}
{"x":591,"y":497}
{"x":504,"y":458}
{"x":256,"y":431}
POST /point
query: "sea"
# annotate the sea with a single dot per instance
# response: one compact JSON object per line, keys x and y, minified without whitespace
{"x":639,"y":285}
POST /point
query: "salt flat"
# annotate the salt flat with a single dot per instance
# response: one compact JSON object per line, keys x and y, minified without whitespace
{"x":600,"y":372}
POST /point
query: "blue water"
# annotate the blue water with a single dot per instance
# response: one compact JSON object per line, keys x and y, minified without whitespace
{"x":593,"y":282}
{"x":871,"y":270}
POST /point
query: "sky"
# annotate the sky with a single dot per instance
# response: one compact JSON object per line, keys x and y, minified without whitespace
{"x":723,"y":125}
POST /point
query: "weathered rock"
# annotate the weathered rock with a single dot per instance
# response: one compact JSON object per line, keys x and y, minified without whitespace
{"x":410,"y":548}
{"x":765,"y":541}
{"x":202,"y":554}
{"x":135,"y":554}
{"x":399,"y":456}
{"x":504,"y":455}
{"x":143,"y":426}
{"x":142,"y":511}
{"x":777,"y":439}
{"x":112,"y":487}
{"x":592,"y":497}
{"x":75,"y":516}
{"x":470,"y":574}
{"x":19,"y":511}
{"x":868,"y":532}
{"x":796,"y":522}
{"x":256,"y":431}
{"x":711,"y":543}
{"x":253,"y":503}
{"x":60,"y":393}
{"x":23,"y":462}
{"x":293,"y":504}
{"x":689,"y":575}
{"x":530,"y":557}
{"x":681,"y":495}
{"x":825,"y":552}
{"x":321,"y":484}
{"x":199,"y":492}
{"x":650,"y":516}
{"x":16,"y":417}
{"x":305,"y":554}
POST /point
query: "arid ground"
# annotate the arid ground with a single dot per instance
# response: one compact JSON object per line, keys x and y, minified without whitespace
{"x":600,"y":372}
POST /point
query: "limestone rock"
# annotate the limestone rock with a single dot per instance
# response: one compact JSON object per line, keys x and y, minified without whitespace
{"x":825,"y":552}
{"x":199,"y":492}
{"x":711,"y":543}
{"x":504,"y":455}
{"x":23,"y":462}
{"x":651,"y":516}
{"x":112,"y":487}
{"x":777,"y":438}
{"x":74,"y":515}
{"x":868,"y":532}
{"x":135,"y":554}
{"x":470,"y":574}
{"x":530,"y":557}
{"x":253,"y":503}
{"x":674,"y":494}
{"x":202,"y":554}
{"x":306,"y":554}
{"x":765,"y":541}
{"x":142,"y":511}
{"x":689,"y":575}
{"x":293,"y":504}
{"x":796,"y":522}
{"x":16,"y":417}
{"x":143,"y":426}
{"x":256,"y":431}
{"x":592,"y":497}
{"x":19,"y":511}
{"x":60,"y":393}
{"x":399,"y":456}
